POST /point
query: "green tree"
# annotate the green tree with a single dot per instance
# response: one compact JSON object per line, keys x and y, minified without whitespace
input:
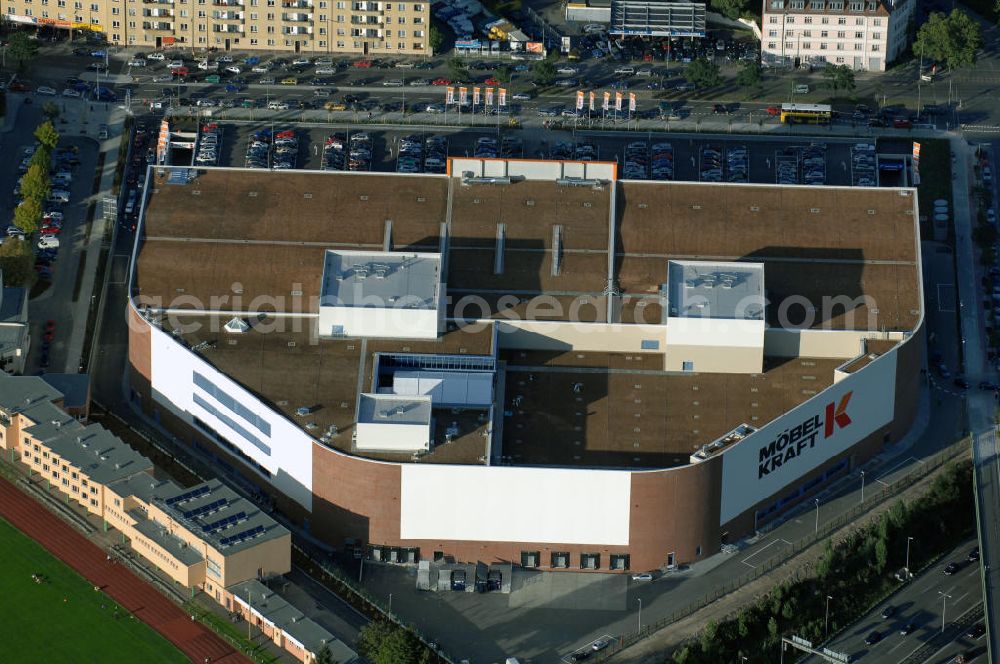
{"x":382,"y":642}
{"x":28,"y":214}
{"x":458,"y":70}
{"x":435,"y":39}
{"x":703,"y":73}
{"x":21,"y":48}
{"x":324,"y":656}
{"x":50,"y":110}
{"x":881,"y":555}
{"x":543,"y":73}
{"x":17,"y":262}
{"x":953,"y":39}
{"x":839,"y":77}
{"x":750,"y":75}
{"x":503,"y":73}
{"x":35,"y":183}
{"x":731,"y":9}
{"x":772,"y":626}
{"x":47,"y":135}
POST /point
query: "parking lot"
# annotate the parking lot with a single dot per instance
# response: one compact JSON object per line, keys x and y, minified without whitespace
{"x":690,"y":158}
{"x":58,"y":267}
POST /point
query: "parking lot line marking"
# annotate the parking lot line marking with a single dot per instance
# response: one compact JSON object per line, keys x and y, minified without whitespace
{"x":895,"y":468}
{"x":760,"y":550}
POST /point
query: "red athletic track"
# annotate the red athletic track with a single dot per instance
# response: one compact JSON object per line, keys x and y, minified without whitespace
{"x":141,"y":599}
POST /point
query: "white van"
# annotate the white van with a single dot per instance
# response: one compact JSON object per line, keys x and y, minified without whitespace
{"x":801,"y":89}
{"x":58,"y":196}
{"x":625,"y":71}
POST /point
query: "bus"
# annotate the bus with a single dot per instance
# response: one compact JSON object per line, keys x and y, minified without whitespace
{"x":806,"y":113}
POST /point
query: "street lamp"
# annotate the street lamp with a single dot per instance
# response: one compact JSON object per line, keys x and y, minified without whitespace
{"x":826,"y":629}
{"x":390,"y":604}
{"x":908,"y":540}
{"x":817,"y":514}
{"x":944,"y":605}
{"x":862,"y":482}
{"x":639,"y":599}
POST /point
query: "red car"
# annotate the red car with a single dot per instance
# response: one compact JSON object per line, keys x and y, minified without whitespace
{"x":902,"y":123}
{"x":440,"y":81}
{"x":773,"y":110}
{"x":18,"y":86}
{"x":362,"y":64}
{"x":51,"y":230}
{"x":492,"y":80}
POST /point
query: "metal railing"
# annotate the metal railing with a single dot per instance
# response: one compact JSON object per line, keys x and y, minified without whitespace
{"x":917,"y":473}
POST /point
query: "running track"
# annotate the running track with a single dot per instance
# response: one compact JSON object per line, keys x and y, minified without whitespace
{"x":90,"y":561}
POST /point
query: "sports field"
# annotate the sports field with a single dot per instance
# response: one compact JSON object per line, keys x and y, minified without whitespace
{"x":63,"y":619}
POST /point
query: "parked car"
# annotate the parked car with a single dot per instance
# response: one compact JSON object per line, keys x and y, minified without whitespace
{"x":873,"y":638}
{"x":48,"y":242}
{"x":888,"y":611}
{"x":907,"y":629}
{"x":951,"y":568}
{"x":974,"y":555}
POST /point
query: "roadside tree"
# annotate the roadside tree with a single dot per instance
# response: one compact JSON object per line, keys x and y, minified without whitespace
{"x":543,"y":73}
{"x":703,"y":73}
{"x":47,"y":135}
{"x":435,"y":39}
{"x":731,"y":9}
{"x":953,"y":39}
{"x":21,"y":48}
{"x":35,"y":183}
{"x":27,"y":215}
{"x":16,"y":261}
{"x":839,"y":77}
{"x":457,"y":70}
{"x":750,"y":75}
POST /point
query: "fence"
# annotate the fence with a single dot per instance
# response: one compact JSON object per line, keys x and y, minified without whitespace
{"x":920,"y":471}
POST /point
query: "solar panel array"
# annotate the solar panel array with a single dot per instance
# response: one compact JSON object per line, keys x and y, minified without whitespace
{"x":205,"y":509}
{"x":222,"y":524}
{"x":189,"y":495}
{"x":243,"y":536}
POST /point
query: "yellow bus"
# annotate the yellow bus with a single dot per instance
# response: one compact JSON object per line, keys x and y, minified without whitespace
{"x":806,"y":113}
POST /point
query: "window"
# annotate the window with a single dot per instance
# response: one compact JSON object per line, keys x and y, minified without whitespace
{"x":840,"y":61}
{"x":808,"y":19}
{"x":875,"y":47}
{"x":687,"y":366}
{"x":859,"y":35}
{"x":560,"y":559}
{"x":859,"y":47}
{"x":805,"y":45}
{"x":771,"y":46}
{"x":807,"y":33}
{"x":772,"y":33}
{"x":877,"y":22}
{"x":619,"y":561}
{"x":876,"y":35}
{"x":823,"y":34}
{"x":772,"y":19}
{"x":822,"y":46}
{"x":529,"y":559}
{"x":841,"y":34}
{"x":824,"y":20}
{"x":789,"y":19}
{"x":859,"y":21}
{"x":590,"y":561}
{"x":841,"y":21}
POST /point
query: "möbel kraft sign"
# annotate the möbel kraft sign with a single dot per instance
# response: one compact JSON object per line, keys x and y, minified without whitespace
{"x":794,"y":442}
{"x":773,"y":460}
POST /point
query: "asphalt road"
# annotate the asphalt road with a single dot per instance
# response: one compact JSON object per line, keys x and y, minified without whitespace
{"x":919,"y":603}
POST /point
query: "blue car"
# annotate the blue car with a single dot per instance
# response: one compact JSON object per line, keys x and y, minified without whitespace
{"x":232,"y":88}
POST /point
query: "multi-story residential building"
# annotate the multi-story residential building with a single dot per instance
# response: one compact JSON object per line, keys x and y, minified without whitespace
{"x":865,"y":35}
{"x":205,"y":536}
{"x":301,"y":26}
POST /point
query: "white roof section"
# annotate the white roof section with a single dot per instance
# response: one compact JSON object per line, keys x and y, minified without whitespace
{"x":446,"y":388}
{"x":382,"y":279}
{"x":717,"y":290}
{"x":389,"y":423}
{"x":392,"y":409}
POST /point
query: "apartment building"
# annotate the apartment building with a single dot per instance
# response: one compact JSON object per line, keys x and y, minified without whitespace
{"x":300,"y":26}
{"x":865,"y":35}
{"x":205,"y":536}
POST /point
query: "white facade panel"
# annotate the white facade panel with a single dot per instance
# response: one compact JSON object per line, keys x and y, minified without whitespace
{"x":395,"y":323}
{"x":383,"y":437}
{"x":777,"y":455}
{"x":726,"y":333}
{"x":278,"y":445}
{"x":506,"y":504}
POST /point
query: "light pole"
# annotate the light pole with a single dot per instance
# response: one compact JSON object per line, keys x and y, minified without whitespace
{"x":944,"y":605}
{"x":390,"y":604}
{"x":907,"y":567}
{"x":639,"y":599}
{"x":826,"y":628}
{"x":862,"y":482}
{"x":817,"y":514}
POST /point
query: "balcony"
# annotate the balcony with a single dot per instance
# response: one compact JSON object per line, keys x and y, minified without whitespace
{"x":157,"y":27}
{"x":157,"y":13}
{"x":366,"y":20}
{"x":227,"y":16}
{"x":297,"y":4}
{"x":296,"y":18}
{"x":295,"y":30}
{"x":227,"y":3}
{"x":157,"y":2}
{"x":227,"y":29}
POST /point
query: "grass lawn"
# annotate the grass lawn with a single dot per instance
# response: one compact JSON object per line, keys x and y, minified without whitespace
{"x":41,"y":627}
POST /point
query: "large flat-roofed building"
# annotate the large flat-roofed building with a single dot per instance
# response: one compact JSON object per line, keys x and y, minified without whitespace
{"x":314,"y":27}
{"x":608,"y":385}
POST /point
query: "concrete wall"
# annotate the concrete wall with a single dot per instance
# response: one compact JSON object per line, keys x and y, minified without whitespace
{"x":544,"y":335}
{"x":715,"y":359}
{"x":532,"y":169}
{"x":845,"y":344}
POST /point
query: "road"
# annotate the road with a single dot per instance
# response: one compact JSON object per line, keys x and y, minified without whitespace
{"x":919,"y":603}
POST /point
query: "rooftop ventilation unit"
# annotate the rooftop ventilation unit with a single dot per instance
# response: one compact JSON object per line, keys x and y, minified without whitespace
{"x":236,"y":325}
